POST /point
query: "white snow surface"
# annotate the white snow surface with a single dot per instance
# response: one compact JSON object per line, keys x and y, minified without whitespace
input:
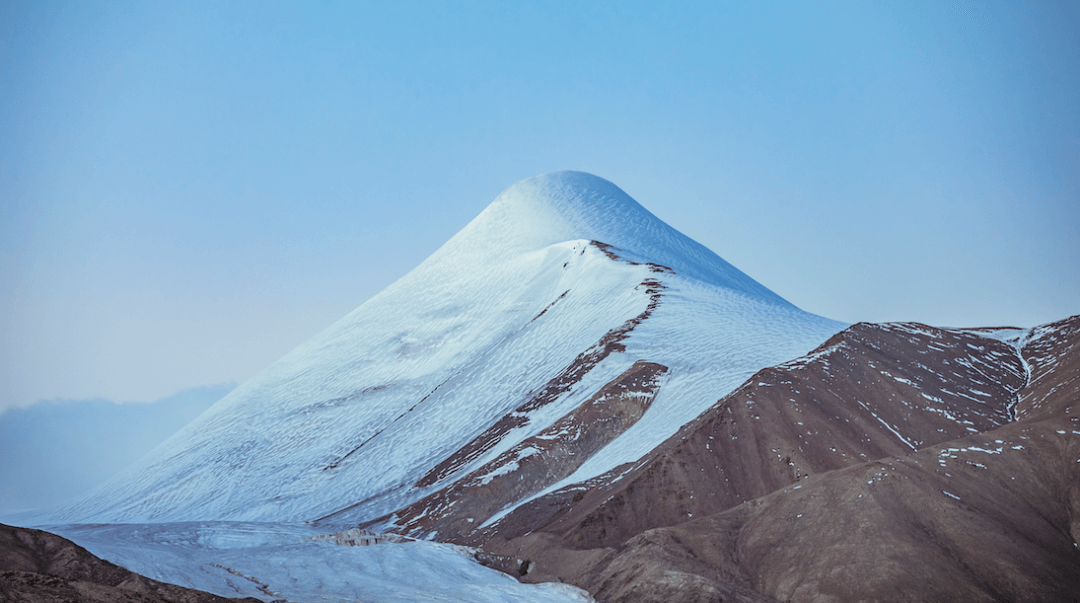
{"x":354,"y":417}
{"x":282,"y":561}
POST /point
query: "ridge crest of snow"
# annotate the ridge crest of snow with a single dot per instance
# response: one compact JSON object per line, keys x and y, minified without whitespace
{"x":562,"y":206}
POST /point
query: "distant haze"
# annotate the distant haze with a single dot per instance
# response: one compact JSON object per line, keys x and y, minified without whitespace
{"x":190,"y":190}
{"x":58,"y":449}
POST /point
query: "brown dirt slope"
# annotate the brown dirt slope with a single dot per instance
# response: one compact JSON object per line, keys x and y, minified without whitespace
{"x":39,"y":567}
{"x":949,"y":523}
{"x":871,"y":391}
{"x":883,"y":466}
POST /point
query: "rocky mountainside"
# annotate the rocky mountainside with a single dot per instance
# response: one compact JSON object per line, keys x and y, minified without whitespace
{"x":897,"y":462}
{"x":39,"y":567}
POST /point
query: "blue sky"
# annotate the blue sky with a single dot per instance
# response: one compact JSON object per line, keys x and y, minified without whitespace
{"x":188,"y":190}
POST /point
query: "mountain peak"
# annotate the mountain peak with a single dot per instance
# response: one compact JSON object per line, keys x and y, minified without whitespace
{"x":564,"y":206}
{"x":581,"y":205}
{"x":496,"y":338}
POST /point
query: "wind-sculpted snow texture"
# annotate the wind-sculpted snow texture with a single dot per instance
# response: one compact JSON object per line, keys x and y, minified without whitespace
{"x":560,"y":286}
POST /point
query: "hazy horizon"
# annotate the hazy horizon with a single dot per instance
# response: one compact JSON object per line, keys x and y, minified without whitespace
{"x":54,"y":450}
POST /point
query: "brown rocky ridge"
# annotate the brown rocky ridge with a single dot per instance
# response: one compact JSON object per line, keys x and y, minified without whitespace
{"x":897,"y":462}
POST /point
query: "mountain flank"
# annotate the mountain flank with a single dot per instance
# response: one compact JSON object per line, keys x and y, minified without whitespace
{"x":883,"y":466}
{"x":585,"y":395}
{"x":562,"y":333}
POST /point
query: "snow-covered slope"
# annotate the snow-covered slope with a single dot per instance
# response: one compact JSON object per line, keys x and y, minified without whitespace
{"x":285,"y":562}
{"x":531,"y":312}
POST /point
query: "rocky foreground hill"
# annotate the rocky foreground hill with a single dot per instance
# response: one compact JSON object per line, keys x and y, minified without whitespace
{"x":39,"y":567}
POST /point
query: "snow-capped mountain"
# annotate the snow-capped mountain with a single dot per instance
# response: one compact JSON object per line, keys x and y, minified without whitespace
{"x":587,"y":396}
{"x":563,"y":333}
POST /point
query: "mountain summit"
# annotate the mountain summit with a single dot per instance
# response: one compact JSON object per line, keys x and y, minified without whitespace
{"x":564,"y":206}
{"x":563,"y":333}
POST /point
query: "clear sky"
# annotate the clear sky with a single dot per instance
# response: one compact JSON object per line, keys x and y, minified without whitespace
{"x":190,"y":189}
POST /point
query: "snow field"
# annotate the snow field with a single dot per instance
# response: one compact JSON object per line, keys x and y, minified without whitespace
{"x":282,"y":561}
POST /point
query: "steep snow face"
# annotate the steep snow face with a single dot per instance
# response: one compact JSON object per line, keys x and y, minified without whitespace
{"x":556,"y":289}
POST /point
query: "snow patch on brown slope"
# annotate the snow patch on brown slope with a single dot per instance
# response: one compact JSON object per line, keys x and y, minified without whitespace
{"x":1052,"y":355}
{"x":537,"y":462}
{"x":990,"y":524}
